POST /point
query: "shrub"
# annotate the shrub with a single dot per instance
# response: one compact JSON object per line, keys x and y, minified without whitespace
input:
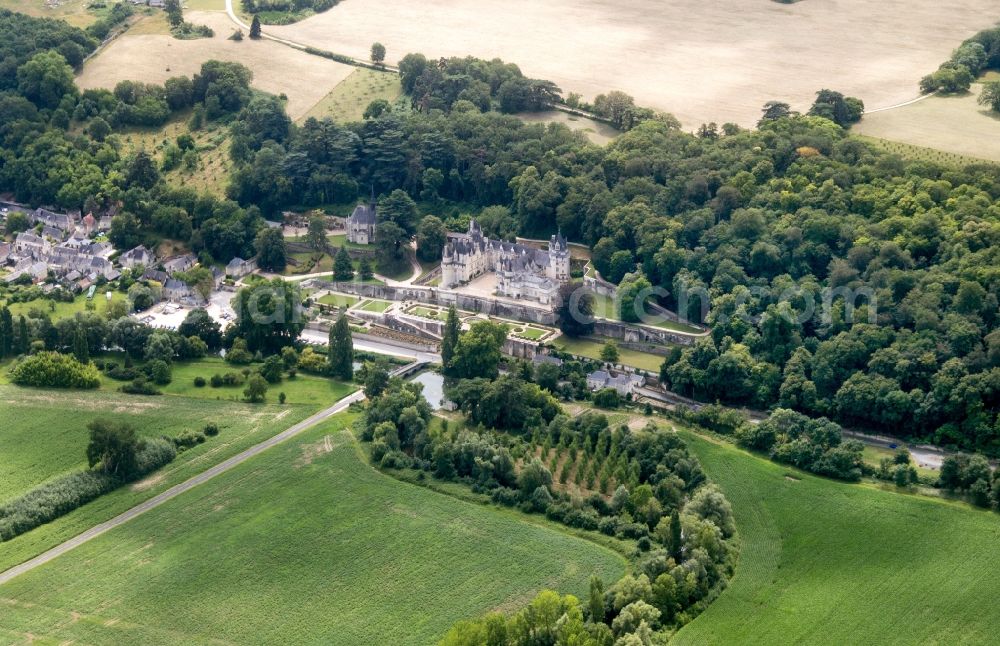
{"x":216,"y":381}
{"x":54,"y":370}
{"x":140,"y":386}
{"x":186,"y":440}
{"x":211,"y":429}
{"x":607,"y":398}
{"x":121,"y":373}
{"x":199,"y":382}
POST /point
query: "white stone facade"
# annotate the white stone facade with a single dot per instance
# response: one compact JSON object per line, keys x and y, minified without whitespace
{"x":522,"y":272}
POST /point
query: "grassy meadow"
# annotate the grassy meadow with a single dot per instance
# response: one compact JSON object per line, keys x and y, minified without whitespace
{"x":348,"y":100}
{"x":305,"y":543}
{"x":824,"y":562}
{"x":592,"y":350}
{"x":214,"y":166}
{"x":43,"y":434}
{"x":59,"y":310}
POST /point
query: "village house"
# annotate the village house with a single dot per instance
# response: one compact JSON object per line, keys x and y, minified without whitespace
{"x":178,"y":291}
{"x":238,"y":268}
{"x":59,"y":221}
{"x":180,"y":263}
{"x":138,"y":257}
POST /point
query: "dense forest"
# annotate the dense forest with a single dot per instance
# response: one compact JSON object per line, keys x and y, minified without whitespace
{"x":748,"y":227}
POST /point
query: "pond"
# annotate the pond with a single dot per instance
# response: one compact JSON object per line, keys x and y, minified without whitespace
{"x":433,"y":387}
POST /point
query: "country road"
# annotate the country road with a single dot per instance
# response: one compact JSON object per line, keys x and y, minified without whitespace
{"x":187,"y":485}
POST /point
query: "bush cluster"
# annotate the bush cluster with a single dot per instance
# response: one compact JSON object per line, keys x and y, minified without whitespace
{"x":61,"y":496}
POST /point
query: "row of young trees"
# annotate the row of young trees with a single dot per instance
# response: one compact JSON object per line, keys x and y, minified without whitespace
{"x":660,"y":499}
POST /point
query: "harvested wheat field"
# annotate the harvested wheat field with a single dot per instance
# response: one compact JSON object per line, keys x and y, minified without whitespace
{"x":703,"y":61}
{"x":953,"y":124}
{"x":153,"y":58}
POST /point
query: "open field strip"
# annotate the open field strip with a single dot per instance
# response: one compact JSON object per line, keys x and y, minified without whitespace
{"x":823,"y":562}
{"x":44,"y":432}
{"x":305,"y":543}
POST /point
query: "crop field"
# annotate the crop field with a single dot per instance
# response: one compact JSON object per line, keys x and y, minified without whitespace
{"x":43,"y":434}
{"x":824,"y":562}
{"x":307,"y":544}
{"x":947,"y":129}
{"x":75,"y":12}
{"x":702,"y":61}
{"x":348,"y":100}
{"x":278,"y":69}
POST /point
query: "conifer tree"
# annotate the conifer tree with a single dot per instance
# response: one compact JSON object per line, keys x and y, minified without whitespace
{"x":449,"y":339}
{"x":341,"y":350}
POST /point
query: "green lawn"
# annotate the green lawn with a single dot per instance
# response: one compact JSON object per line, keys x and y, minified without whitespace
{"x":339,"y":300}
{"x":59,"y":310}
{"x":532,"y":333}
{"x":374,"y":305}
{"x":824,"y":562}
{"x":426,"y":312}
{"x":303,"y":544}
{"x":317,"y":392}
{"x":592,"y":350}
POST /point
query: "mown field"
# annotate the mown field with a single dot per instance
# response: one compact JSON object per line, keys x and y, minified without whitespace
{"x":43,"y":434}
{"x":828,"y":563}
{"x":304,"y":544}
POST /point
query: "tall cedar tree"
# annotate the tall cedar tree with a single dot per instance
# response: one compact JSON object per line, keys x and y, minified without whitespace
{"x":341,"y":350}
{"x":449,"y":339}
{"x":255,"y":28}
{"x":342,"y":267}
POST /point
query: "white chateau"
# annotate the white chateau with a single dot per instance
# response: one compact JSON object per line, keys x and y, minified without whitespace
{"x":361,"y":224}
{"x":522,"y":271}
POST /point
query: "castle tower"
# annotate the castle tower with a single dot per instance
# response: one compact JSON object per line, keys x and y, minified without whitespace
{"x":558,"y":258}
